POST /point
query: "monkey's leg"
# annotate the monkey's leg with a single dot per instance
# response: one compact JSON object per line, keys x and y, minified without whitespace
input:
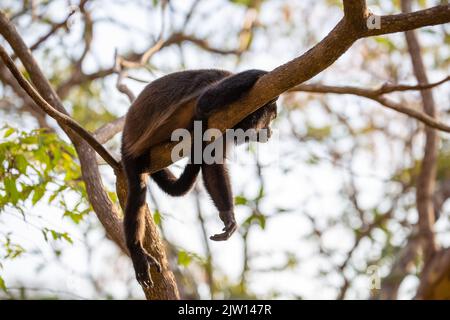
{"x":226,"y":91}
{"x":217,"y":183}
{"x":134,"y":222}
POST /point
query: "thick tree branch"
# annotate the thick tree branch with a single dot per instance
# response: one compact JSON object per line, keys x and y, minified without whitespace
{"x":355,"y":12}
{"x":303,"y":68}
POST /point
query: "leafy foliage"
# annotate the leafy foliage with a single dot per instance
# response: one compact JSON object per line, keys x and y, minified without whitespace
{"x":38,"y":167}
{"x":35,"y":165}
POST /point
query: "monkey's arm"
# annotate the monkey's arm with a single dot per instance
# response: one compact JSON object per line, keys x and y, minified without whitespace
{"x":226,"y":91}
{"x":173,"y":186}
{"x":215,"y":176}
{"x":217,"y":182}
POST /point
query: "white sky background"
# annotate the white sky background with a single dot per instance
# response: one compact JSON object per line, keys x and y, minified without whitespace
{"x":312,"y":189}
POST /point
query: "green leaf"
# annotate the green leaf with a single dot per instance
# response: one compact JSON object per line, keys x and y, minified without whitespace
{"x":184,"y":259}
{"x":11,"y":190}
{"x":66,"y":237}
{"x":39,"y":192}
{"x":157,"y":217}
{"x":258,"y":218}
{"x":13,"y":250}
{"x":261,"y":220}
{"x":240,"y":200}
{"x":386,"y":43}
{"x":52,"y":197}
{"x":9,"y":132}
{"x":26,"y":191}
{"x":56,"y":235}
{"x":318,"y":133}
{"x":76,"y":217}
{"x":56,"y":193}
{"x":247,"y":3}
{"x":3,"y":284}
{"x":21,"y":163}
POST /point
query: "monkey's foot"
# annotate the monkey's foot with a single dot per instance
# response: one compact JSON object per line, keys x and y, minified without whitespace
{"x":230,"y":226}
{"x":142,"y":262}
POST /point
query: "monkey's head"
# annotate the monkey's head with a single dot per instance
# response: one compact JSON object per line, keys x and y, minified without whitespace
{"x":259,"y":121}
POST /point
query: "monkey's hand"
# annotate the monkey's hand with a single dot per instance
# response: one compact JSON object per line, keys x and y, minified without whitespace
{"x":142,"y":262}
{"x":230,"y":226}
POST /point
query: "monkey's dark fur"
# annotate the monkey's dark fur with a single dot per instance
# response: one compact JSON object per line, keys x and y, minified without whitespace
{"x":171,"y":102}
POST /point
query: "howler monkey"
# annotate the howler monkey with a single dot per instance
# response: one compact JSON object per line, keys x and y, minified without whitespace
{"x":168,"y":103}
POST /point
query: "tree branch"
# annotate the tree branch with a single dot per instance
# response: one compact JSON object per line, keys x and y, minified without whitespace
{"x":79,"y":78}
{"x":409,"y":21}
{"x":109,"y":130}
{"x":62,"y":119}
{"x":427,"y":176}
{"x":28,"y":104}
{"x":403,"y":264}
{"x":303,"y":68}
{"x":54,"y":27}
{"x":435,"y":279}
{"x":377,"y":95}
{"x":355,"y":12}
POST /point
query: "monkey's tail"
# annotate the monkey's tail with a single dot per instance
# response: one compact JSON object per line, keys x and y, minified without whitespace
{"x":134,"y":219}
{"x":173,"y":186}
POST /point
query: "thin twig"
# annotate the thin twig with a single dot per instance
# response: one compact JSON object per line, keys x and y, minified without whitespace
{"x":377,"y":95}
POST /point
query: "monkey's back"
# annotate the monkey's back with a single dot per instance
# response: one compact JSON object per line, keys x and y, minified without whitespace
{"x":164,"y":105}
